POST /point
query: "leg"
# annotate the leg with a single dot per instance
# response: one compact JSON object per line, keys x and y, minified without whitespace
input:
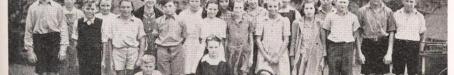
{"x":333,"y":58}
{"x":413,"y":58}
{"x":398,"y":60}
{"x":119,"y":60}
{"x":347,"y":59}
{"x":163,"y":60}
{"x":177,"y":64}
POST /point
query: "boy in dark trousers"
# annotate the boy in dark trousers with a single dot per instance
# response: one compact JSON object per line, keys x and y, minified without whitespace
{"x":87,"y":32}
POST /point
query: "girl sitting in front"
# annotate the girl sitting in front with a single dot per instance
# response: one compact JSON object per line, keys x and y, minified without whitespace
{"x":213,"y":63}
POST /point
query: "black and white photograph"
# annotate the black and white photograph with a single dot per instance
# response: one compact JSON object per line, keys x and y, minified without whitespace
{"x":226,"y":37}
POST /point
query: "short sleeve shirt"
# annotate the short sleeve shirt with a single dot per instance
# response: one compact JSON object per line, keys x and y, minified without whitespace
{"x":126,"y":33}
{"x":375,"y":24}
{"x":409,"y":26}
{"x":341,"y":27}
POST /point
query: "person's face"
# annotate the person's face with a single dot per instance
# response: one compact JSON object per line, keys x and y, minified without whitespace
{"x":342,"y":5}
{"x":194,"y":3}
{"x":238,"y":7}
{"x":253,"y":3}
{"x":126,"y":8}
{"x":90,"y":11}
{"x":180,"y":4}
{"x":105,"y":6}
{"x":309,"y":9}
{"x":150,"y":3}
{"x":147,"y":68}
{"x":69,"y":3}
{"x":409,"y":4}
{"x":169,"y":8}
{"x":273,"y":7}
{"x":212,"y":10}
{"x":224,"y":3}
{"x":212,"y":47}
{"x":375,"y":3}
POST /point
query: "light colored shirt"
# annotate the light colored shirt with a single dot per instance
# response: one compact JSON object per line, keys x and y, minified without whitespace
{"x":376,"y":23}
{"x":409,"y":25}
{"x":124,"y":32}
{"x":341,"y":27}
{"x":171,"y":30}
{"x":108,"y":18}
{"x":214,"y":27}
{"x":45,"y":18}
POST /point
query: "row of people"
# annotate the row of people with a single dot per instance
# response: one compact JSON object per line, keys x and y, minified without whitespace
{"x":224,"y":38}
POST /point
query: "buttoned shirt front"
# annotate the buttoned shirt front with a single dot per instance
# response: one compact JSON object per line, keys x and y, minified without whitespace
{"x":341,"y":27}
{"x":45,"y":18}
{"x":409,"y":25}
{"x":171,"y":30}
{"x":376,"y":23}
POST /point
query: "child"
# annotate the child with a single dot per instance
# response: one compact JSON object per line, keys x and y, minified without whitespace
{"x":272,"y":36}
{"x":107,"y":17}
{"x":192,"y":18}
{"x":239,"y":40}
{"x":148,"y":14}
{"x":213,"y":63}
{"x":171,"y":33}
{"x":148,"y":64}
{"x":87,"y":32}
{"x":225,"y":9}
{"x":212,"y":25}
{"x":410,"y":39}
{"x":46,"y":35}
{"x":377,"y":27}
{"x":128,"y":39}
{"x":341,"y":28}
{"x":72,"y":14}
{"x":105,"y":7}
{"x":309,"y":48}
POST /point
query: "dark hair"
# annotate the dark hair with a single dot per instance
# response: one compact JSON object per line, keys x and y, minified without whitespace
{"x":211,"y":38}
{"x":316,"y":4}
{"x":164,"y":2}
{"x":204,"y":12}
{"x":232,"y":5}
{"x":88,"y":3}
{"x":132,"y":4}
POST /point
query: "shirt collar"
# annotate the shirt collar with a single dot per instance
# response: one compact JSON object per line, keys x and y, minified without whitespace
{"x":129,"y":19}
{"x":86,"y":19}
{"x":402,"y":11}
{"x":170,"y":17}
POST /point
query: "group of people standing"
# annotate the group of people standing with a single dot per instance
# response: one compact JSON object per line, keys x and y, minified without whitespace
{"x":224,"y":37}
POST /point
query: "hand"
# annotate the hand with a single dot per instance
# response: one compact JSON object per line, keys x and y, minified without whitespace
{"x":387,"y":59}
{"x":31,"y":56}
{"x":62,"y":55}
{"x":138,"y":62}
{"x":103,"y":64}
{"x":362,"y":59}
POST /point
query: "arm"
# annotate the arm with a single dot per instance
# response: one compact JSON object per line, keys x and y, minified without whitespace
{"x":64,"y":43}
{"x":141,"y":36}
{"x":29,"y":27}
